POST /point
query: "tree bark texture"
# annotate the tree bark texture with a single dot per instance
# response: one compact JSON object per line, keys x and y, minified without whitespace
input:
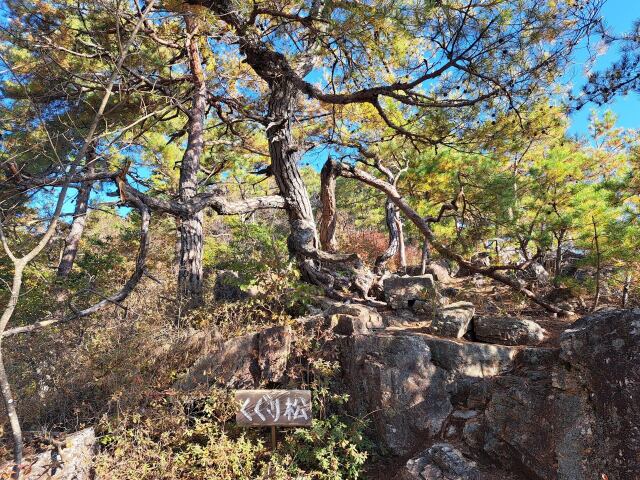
{"x":190,"y":272}
{"x":72,"y":241}
{"x":284,"y":165}
{"x":328,"y":216}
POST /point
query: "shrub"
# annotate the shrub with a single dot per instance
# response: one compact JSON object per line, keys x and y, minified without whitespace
{"x":181,"y":437}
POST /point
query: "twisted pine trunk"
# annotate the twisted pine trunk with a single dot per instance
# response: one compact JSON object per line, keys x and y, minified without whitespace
{"x":284,"y":153}
{"x":190,"y":273}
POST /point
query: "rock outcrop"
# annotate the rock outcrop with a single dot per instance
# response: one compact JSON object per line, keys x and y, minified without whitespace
{"x":470,"y":359}
{"x":439,"y":272}
{"x":459,"y":407}
{"x":403,"y":292}
{"x":507,"y":331}
{"x":568,"y":413}
{"x":453,"y":320}
{"x":603,"y":352}
{"x":243,"y":362}
{"x":274,"y":345}
{"x":391,"y":378}
{"x":441,"y":462}
{"x":72,"y":460}
{"x":353,"y":319}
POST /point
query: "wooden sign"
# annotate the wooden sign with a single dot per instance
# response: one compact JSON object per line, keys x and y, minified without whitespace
{"x":263,"y":408}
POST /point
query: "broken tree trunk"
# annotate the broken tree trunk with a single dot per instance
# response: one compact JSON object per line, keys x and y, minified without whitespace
{"x":190,"y":273}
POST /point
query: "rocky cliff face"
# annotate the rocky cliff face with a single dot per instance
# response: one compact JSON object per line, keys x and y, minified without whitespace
{"x":571,"y":412}
{"x":601,"y":356}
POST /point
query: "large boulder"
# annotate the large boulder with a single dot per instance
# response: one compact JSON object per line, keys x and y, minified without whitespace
{"x":233,"y":364}
{"x":570,"y":413}
{"x":520,"y":418}
{"x":439,"y":272}
{"x":391,"y":379}
{"x":274,"y":345}
{"x":243,"y":362}
{"x":470,"y":359}
{"x":349,"y":319}
{"x":403,"y":292}
{"x":453,"y":320}
{"x":507,"y":331}
{"x":441,"y":461}
{"x":603,"y":351}
{"x":536,"y":273}
{"x":71,"y":459}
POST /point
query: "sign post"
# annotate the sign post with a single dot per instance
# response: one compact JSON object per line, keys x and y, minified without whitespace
{"x":273,"y":408}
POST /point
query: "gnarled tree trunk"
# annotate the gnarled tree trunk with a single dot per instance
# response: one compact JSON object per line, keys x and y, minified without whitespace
{"x":190,"y":273}
{"x":285,"y":155}
{"x":284,"y":86}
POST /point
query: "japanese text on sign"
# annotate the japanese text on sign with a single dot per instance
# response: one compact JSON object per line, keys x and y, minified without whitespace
{"x":273,"y":407}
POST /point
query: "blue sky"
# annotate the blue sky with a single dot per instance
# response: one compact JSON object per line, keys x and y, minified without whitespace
{"x":619,"y":16}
